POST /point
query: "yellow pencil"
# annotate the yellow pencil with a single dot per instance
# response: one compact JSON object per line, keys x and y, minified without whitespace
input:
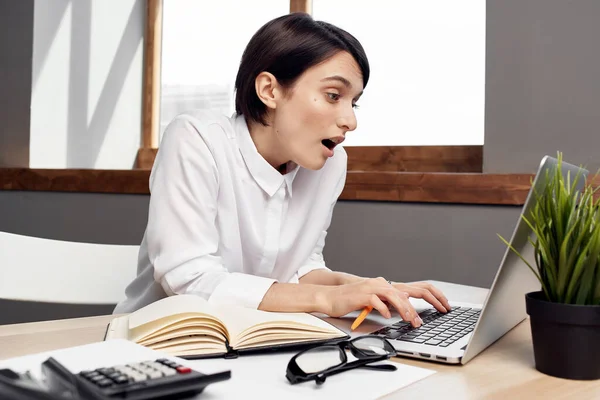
{"x":361,"y":317}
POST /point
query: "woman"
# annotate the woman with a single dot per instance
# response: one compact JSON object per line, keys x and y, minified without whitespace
{"x":240,"y":206}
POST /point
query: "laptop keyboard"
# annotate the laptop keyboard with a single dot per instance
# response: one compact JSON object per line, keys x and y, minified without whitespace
{"x":438,"y":329}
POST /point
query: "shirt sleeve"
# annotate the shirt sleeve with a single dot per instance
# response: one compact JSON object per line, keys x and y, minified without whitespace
{"x":182,"y":237}
{"x":315,"y":260}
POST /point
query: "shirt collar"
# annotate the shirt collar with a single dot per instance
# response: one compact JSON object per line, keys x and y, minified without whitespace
{"x":290,"y":175}
{"x":267,"y":177}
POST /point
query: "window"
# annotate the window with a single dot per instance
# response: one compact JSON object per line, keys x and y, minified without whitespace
{"x":427,"y":69}
{"x":427,"y":60}
{"x":202,"y":46}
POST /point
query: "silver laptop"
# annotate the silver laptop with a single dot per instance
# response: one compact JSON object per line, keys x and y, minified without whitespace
{"x":461,"y":334}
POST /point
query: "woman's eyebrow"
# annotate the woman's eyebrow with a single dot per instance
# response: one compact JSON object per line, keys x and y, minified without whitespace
{"x":341,"y":79}
{"x":338,"y":78}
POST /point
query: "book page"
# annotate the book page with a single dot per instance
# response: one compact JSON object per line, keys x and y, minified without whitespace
{"x":185,"y":303}
{"x":242,"y":321}
{"x":118,"y":328}
{"x":270,"y":342}
{"x":266,"y":334}
{"x":182,"y":332}
{"x":171,"y":313}
{"x":188,"y":326}
{"x":190,"y":345}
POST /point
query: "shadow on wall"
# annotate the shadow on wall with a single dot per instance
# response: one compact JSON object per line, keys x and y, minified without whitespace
{"x":86,"y":128}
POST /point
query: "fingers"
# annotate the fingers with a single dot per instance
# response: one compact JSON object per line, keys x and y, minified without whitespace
{"x":383,"y":291}
{"x":377,"y":304}
{"x":437,"y":293}
{"x":427,"y":292}
{"x":401,"y":303}
{"x":430,"y":298}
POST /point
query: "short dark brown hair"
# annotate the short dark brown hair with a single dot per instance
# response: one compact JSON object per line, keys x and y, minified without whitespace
{"x":286,"y":47}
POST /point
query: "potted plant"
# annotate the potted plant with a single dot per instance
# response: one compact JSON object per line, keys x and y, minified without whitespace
{"x":565,"y":314}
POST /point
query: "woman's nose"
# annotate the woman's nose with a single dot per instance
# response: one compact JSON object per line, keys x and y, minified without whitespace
{"x":347,"y":122}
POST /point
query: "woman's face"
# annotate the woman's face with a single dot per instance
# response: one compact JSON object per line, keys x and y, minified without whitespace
{"x":318,"y":111}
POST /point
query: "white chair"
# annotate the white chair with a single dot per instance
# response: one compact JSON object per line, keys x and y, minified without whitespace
{"x":56,"y":271}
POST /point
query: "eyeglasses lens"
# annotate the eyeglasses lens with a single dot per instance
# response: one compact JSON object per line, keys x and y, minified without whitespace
{"x":319,"y":359}
{"x":373,"y":346}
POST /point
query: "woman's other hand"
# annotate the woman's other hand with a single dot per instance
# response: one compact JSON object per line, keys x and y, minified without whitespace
{"x":427,"y":292}
{"x":379,"y":293}
{"x":340,"y":300}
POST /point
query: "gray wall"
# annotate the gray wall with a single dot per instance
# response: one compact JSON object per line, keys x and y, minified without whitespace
{"x":542,"y":83}
{"x":84,"y":217}
{"x":401,"y":241}
{"x":16,"y":21}
{"x":410,"y":242}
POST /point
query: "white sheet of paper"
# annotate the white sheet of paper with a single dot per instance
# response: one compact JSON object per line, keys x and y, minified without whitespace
{"x":263,"y":376}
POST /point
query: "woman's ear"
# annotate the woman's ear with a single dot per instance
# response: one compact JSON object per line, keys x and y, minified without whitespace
{"x":267,"y":89}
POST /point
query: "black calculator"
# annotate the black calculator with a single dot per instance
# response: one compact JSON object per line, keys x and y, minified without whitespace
{"x":159,"y":379}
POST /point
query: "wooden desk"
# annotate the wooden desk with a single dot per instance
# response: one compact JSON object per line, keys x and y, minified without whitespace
{"x":504,"y":371}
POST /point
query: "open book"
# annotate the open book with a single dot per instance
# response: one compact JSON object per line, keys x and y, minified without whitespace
{"x":189,"y":326}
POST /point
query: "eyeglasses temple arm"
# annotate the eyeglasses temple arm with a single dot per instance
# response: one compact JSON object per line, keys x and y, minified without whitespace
{"x":359,"y":364}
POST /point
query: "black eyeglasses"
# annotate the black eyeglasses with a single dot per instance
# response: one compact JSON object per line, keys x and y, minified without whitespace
{"x":317,"y":363}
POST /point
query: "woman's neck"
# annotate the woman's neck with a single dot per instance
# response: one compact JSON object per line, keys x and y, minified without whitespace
{"x":267,"y":143}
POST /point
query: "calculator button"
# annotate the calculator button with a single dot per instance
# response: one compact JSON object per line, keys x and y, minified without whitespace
{"x":172,"y":364}
{"x":121,"y":380}
{"x":104,"y":383}
{"x":137,"y":377}
{"x":184,"y":370}
{"x":125,"y":370}
{"x":155,"y":374}
{"x":169,"y":372}
{"x":105,"y":371}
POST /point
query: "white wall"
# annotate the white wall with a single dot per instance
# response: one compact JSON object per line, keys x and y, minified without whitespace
{"x":86,"y":83}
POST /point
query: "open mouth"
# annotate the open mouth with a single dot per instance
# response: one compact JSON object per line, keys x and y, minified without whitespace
{"x":328,"y":143}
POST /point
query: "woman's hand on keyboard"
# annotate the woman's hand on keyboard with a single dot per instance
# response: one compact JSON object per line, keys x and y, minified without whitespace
{"x":427,"y":292}
{"x":340,"y":300}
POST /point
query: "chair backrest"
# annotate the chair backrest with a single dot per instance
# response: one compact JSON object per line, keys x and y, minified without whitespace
{"x":46,"y":270}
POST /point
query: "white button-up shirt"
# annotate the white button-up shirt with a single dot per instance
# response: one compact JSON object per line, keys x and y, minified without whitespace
{"x":223,"y":223}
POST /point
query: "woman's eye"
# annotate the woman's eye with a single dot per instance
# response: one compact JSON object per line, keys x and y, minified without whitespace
{"x":333,"y":96}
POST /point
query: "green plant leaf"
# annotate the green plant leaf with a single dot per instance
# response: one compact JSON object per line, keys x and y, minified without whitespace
{"x":585,"y":294}
{"x":565,"y":225}
{"x":524,"y":260}
{"x":576,"y":281}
